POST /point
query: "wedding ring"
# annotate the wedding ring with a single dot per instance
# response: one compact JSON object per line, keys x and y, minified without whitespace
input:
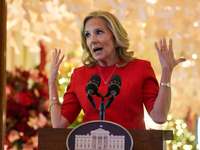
{"x":162,"y":49}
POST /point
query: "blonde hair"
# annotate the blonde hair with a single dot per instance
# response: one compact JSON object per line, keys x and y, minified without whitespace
{"x":119,"y":33}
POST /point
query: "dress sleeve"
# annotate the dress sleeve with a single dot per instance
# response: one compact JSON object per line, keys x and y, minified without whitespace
{"x":71,"y":106}
{"x":150,"y":87}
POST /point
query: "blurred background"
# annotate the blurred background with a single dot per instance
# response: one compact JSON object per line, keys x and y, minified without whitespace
{"x":35,"y":28}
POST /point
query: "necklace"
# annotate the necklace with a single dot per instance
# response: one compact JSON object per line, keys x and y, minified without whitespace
{"x":105,"y":82}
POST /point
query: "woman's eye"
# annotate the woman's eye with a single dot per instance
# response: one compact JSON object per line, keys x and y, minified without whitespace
{"x":99,"y":31}
{"x":87,"y":35}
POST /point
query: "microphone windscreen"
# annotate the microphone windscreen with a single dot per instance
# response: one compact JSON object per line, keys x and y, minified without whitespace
{"x":116,"y":78}
{"x":93,"y":84}
{"x":115,"y":84}
{"x":96,"y":79}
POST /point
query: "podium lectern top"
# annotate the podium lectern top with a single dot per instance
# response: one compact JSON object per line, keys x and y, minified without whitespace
{"x":55,"y":139}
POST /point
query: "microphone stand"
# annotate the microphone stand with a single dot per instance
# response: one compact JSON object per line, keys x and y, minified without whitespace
{"x":102,"y":107}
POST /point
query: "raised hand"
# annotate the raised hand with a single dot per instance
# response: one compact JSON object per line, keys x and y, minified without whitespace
{"x":166,"y":55}
{"x":55,"y":64}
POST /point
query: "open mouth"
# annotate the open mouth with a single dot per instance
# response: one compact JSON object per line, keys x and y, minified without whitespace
{"x":97,"y":49}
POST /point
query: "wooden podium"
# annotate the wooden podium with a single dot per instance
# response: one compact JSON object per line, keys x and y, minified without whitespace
{"x":55,"y":139}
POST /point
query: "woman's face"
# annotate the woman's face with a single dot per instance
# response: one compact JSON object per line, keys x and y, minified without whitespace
{"x":100,"y":41}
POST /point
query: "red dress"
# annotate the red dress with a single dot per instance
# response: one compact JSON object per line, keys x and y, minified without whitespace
{"x":138,"y":86}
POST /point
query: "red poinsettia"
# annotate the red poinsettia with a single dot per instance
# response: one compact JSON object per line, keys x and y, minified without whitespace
{"x":27,"y":97}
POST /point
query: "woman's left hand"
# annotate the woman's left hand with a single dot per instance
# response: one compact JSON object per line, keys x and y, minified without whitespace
{"x":166,"y":55}
{"x":168,"y":62}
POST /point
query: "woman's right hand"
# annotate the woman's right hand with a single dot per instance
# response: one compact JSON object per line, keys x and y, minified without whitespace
{"x":58,"y":121}
{"x":55,"y":65}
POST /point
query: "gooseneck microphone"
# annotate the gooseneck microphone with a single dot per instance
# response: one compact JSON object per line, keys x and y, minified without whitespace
{"x":113,"y":89}
{"x":92,"y":88}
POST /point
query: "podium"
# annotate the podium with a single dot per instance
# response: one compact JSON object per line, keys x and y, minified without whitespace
{"x":55,"y":138}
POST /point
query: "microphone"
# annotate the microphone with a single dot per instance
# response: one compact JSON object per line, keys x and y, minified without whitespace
{"x":113,"y":89}
{"x":92,"y":87}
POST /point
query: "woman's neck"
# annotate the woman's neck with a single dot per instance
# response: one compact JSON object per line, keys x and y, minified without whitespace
{"x":109,"y":63}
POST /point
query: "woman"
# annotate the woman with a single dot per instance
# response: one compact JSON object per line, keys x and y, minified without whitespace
{"x":105,"y":44}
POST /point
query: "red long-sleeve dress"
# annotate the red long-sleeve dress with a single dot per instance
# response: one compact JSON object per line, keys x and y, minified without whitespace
{"x":138,"y":86}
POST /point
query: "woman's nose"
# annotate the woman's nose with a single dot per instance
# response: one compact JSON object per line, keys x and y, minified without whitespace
{"x":93,"y":39}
